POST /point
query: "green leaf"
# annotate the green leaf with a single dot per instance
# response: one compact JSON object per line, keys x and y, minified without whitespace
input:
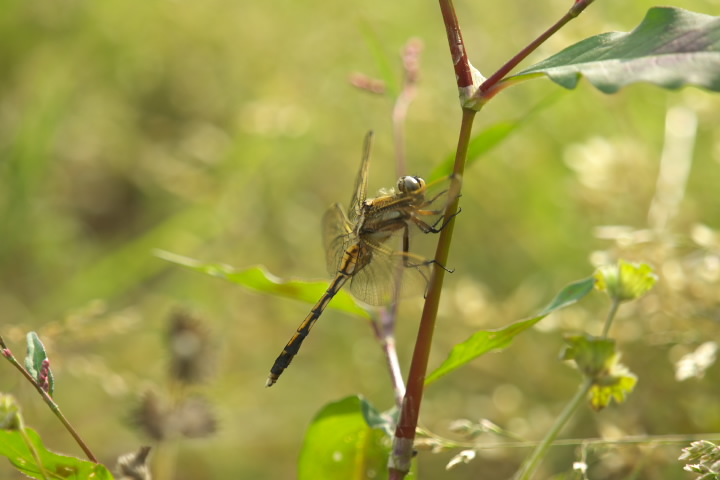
{"x":260,"y":280}
{"x":35,"y":363}
{"x":491,"y":137}
{"x":486,"y":341}
{"x":598,"y":359}
{"x":625,"y":281}
{"x":340,"y":444}
{"x":13,"y":446}
{"x":671,"y":48}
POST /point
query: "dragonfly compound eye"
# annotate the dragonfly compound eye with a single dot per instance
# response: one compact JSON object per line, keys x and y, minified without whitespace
{"x":410,"y":184}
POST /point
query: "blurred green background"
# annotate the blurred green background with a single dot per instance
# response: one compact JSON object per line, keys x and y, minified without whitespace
{"x":222,"y":130}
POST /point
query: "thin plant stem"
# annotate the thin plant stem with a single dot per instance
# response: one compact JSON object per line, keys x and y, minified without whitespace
{"x":458,"y":53}
{"x":401,"y":455}
{"x":402,"y":450}
{"x":383,"y":328}
{"x":31,"y":447}
{"x":529,"y":467}
{"x":411,"y":56}
{"x":48,"y":400}
{"x":493,"y":85}
{"x":399,"y":112}
{"x":166,"y":453}
{"x":531,"y":464}
{"x":568,"y":442}
{"x":611,"y":315}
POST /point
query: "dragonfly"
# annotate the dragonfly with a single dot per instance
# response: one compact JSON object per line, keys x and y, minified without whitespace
{"x":357,"y":252}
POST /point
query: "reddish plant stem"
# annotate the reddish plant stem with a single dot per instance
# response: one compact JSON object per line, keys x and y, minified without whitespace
{"x":461,"y":64}
{"x":418,"y":367}
{"x":48,"y":400}
{"x":402,"y":453}
{"x":487,"y":89}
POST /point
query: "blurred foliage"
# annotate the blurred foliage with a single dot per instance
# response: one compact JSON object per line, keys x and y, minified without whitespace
{"x":222,"y":130}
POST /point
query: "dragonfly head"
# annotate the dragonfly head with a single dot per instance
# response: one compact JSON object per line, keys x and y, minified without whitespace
{"x":410,"y":184}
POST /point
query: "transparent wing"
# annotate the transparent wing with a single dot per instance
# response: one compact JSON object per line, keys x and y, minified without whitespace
{"x":337,"y":236}
{"x":385,"y":273}
{"x":360,"y":190}
{"x":388,"y":275}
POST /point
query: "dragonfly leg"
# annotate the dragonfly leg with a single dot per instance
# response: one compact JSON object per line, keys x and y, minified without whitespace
{"x":452,"y":193}
{"x":432,"y":200}
{"x":430,"y":262}
{"x":423,"y":271}
{"x":427,"y":228}
{"x":408,"y":257}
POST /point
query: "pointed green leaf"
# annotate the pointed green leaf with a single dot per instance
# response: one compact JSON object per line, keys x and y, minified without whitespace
{"x":13,"y":446}
{"x":37,"y":363}
{"x":260,"y":280}
{"x":625,"y":280}
{"x":340,"y":444}
{"x":671,"y":48}
{"x":486,"y":341}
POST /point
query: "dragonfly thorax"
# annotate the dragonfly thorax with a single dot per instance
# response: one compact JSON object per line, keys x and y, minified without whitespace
{"x":410,"y":184}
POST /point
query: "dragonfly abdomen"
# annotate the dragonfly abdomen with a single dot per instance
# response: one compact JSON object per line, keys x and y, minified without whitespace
{"x":347,"y":269}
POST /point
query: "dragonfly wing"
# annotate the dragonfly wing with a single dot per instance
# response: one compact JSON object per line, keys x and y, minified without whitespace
{"x":360,"y":190}
{"x":337,"y":236}
{"x":388,"y":275}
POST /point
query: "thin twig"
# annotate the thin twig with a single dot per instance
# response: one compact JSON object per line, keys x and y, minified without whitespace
{"x":402,"y":451}
{"x":492,"y":86}
{"x":571,"y":442}
{"x":411,"y":71}
{"x":611,"y":315}
{"x":401,"y":455}
{"x":458,"y":54}
{"x":48,"y":400}
{"x":383,"y":328}
{"x":531,"y":464}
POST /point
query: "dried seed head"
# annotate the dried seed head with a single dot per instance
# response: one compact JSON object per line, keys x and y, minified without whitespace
{"x":133,"y":466}
{"x":152,"y":416}
{"x":194,"y":418}
{"x":411,"y":60}
{"x":191,"y":348}
{"x":370,"y":85}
